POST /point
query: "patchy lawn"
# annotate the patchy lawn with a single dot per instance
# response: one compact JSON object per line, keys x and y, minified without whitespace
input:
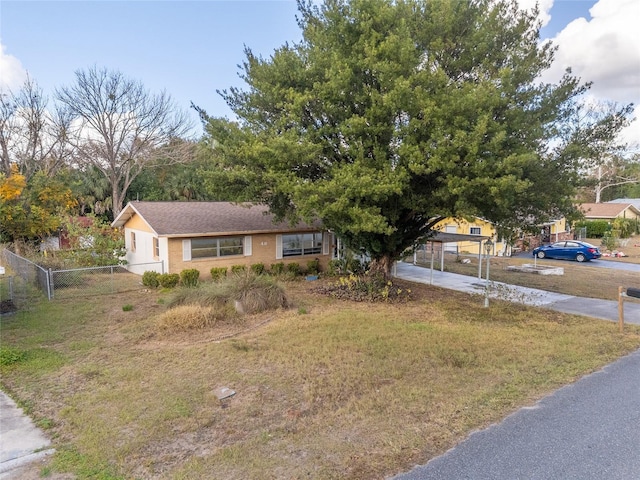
{"x":326,"y":389}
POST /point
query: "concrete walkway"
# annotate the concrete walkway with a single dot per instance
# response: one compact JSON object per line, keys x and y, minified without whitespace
{"x":590,"y":307}
{"x":21,"y":442}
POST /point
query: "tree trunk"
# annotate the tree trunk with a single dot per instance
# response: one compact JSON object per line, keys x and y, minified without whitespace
{"x":382,"y":266}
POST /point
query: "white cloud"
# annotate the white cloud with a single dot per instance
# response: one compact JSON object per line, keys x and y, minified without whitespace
{"x":13,"y":74}
{"x":604,"y":50}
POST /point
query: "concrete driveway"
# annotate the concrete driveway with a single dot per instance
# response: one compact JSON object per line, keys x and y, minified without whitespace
{"x":590,"y":307}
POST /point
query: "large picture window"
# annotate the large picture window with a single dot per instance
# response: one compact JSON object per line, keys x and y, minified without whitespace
{"x":216,"y":247}
{"x":301,"y":244}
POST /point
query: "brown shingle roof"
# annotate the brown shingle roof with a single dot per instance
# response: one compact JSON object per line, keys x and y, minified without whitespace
{"x":205,"y":218}
{"x":603,"y":210}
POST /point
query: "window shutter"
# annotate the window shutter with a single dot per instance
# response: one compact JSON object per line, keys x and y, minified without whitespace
{"x":247,"y":246}
{"x":278,"y":247}
{"x":326,"y":241}
{"x":186,"y":250}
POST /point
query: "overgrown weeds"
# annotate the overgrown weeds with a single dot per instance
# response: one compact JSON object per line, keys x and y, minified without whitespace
{"x":244,"y":292}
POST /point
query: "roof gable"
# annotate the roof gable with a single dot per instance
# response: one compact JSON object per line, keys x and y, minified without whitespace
{"x":206,"y":218}
{"x":605,"y":210}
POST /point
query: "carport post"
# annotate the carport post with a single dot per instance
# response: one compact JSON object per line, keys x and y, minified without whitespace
{"x":431,"y":271}
{"x":620,"y":309}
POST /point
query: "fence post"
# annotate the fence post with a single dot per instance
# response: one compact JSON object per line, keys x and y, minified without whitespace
{"x":620,"y":309}
{"x":50,"y":287}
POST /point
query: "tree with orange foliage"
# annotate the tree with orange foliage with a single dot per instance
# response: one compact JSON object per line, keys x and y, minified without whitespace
{"x":31,"y":210}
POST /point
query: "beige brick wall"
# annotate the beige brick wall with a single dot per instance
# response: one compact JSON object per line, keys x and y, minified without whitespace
{"x":263,"y":249}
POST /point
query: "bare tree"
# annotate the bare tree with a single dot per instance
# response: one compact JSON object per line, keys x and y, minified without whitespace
{"x":120,"y":127}
{"x":31,"y":136}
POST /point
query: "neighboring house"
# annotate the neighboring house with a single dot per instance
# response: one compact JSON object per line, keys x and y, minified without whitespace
{"x":553,"y":231}
{"x":609,"y":211}
{"x":61,"y":240}
{"x":479,"y":227}
{"x":550,"y":232}
{"x":633,"y":201}
{"x":203,"y":235}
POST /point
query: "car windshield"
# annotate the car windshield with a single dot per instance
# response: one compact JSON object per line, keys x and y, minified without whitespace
{"x":588,"y":245}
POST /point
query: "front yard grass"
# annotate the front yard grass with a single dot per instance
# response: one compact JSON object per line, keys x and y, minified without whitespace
{"x":325,"y":389}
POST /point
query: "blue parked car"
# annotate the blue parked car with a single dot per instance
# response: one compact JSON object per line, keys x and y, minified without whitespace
{"x":568,"y":250}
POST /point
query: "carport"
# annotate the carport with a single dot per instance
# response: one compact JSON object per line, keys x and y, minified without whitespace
{"x":443,"y":237}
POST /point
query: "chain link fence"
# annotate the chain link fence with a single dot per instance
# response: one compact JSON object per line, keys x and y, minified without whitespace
{"x":72,"y":282}
{"x":96,"y":280}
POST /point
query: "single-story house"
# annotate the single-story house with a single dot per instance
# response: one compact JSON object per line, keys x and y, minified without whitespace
{"x":173,"y":236}
{"x":609,"y":211}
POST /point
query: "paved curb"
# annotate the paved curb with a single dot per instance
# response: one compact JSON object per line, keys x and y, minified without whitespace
{"x":10,"y":465}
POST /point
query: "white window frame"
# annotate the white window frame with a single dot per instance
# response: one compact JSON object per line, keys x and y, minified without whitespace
{"x":216,"y":245}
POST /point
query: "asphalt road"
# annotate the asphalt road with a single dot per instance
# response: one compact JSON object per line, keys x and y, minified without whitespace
{"x":587,"y":430}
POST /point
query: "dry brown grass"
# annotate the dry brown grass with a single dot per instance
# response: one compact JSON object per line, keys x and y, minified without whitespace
{"x":344,"y":390}
{"x":186,"y":317}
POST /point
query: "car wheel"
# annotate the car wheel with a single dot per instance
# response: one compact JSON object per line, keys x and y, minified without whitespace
{"x":540,"y":254}
{"x":581,"y":258}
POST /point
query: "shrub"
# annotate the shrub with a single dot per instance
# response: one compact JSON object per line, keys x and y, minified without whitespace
{"x":258,"y":268}
{"x":150,"y":279}
{"x":336,"y":267}
{"x":169,"y":280}
{"x":238,"y":269}
{"x":595,"y":228}
{"x":256,"y":293}
{"x":189,"y":277}
{"x":293,"y":268}
{"x":218,"y":273}
{"x":625,"y":227}
{"x":277,"y":268}
{"x":313,"y":266}
{"x":610,"y":242}
{"x":127,"y":308}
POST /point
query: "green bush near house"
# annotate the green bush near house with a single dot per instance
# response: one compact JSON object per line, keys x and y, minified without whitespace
{"x":169,"y":280}
{"x":277,"y":268}
{"x":151,"y":279}
{"x":238,"y":269}
{"x":189,"y":277}
{"x":293,"y":268}
{"x":258,"y":268}
{"x":218,"y":273}
{"x":313,"y":266}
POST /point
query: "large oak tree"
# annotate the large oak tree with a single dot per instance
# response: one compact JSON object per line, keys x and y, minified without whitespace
{"x":390,"y":115}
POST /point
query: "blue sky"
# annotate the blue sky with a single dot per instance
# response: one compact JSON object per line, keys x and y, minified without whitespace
{"x":193,"y":48}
